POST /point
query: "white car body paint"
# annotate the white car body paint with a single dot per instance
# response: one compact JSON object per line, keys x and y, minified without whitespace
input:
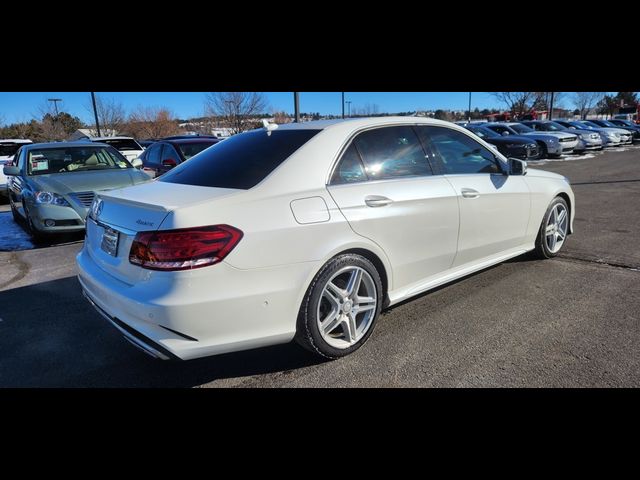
{"x":293,"y":223}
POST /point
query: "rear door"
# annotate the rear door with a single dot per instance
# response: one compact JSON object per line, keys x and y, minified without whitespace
{"x":385,"y":187}
{"x":494,"y":206}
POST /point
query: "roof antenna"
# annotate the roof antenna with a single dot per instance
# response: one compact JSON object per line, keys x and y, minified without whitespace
{"x":269,"y":127}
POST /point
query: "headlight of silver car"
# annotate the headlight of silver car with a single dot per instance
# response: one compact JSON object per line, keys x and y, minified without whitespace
{"x":49,"y":198}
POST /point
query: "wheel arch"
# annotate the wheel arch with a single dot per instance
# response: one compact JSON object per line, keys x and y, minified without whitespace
{"x":567,"y":199}
{"x":380,"y":267}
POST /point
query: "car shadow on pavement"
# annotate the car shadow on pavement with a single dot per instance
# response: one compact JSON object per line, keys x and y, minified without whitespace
{"x":51,"y":337}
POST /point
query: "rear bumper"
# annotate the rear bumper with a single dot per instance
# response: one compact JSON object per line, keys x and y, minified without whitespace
{"x":204,"y":312}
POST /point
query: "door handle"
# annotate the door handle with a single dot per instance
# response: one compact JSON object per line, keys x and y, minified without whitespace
{"x":469,"y":193}
{"x":377,"y":201}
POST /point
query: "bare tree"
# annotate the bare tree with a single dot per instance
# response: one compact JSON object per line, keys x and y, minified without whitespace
{"x":518,"y":103}
{"x":50,"y":128}
{"x":586,"y":101}
{"x":151,"y":122}
{"x":111,"y":116}
{"x":281,"y":117}
{"x":236,"y":110}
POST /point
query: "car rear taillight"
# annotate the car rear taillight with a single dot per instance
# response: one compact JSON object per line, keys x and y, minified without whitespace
{"x":183,"y":249}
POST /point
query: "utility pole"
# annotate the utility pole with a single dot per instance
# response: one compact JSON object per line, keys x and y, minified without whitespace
{"x":342,"y":104}
{"x":55,"y":103}
{"x":296,"y":105}
{"x":95,"y":112}
{"x":469,"y":107}
{"x":348,"y":102}
{"x":551,"y":107}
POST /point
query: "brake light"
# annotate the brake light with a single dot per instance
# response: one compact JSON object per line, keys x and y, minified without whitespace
{"x":183,"y":249}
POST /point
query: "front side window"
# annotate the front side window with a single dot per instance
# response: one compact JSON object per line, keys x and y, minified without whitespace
{"x":392,"y":152}
{"x":519,"y":128}
{"x":459,"y":153}
{"x":74,"y":159}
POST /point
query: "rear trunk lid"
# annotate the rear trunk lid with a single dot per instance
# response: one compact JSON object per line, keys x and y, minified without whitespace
{"x":117,"y":215}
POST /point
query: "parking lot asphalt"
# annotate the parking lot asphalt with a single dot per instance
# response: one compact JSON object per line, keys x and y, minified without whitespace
{"x":568,"y":322}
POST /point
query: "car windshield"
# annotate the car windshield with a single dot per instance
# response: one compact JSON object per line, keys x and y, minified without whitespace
{"x":74,"y":159}
{"x":608,"y":124}
{"x":9,"y":149}
{"x":122,"y":144}
{"x":241,"y":161}
{"x":190,"y":149}
{"x":590,"y":124}
{"x":519,"y":128}
{"x":626,"y":123}
{"x":554,"y":127}
{"x":484,"y":132}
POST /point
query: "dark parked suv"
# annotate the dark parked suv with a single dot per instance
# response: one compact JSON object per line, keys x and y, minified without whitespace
{"x":162,"y":156}
{"x":512,"y":146}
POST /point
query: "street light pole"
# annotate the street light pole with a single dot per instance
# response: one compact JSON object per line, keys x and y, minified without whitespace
{"x":469,"y":107}
{"x":55,"y":103}
{"x":342,"y":104}
{"x":348,"y":102}
{"x":95,"y":112}
{"x":296,"y":105}
{"x":551,"y":107}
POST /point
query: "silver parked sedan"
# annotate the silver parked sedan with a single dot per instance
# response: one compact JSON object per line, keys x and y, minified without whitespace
{"x":53,"y":184}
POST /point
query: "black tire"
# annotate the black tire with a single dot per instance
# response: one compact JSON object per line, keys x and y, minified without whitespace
{"x":16,"y":216}
{"x":542,"y":250}
{"x":308,"y":332}
{"x":542,"y":153}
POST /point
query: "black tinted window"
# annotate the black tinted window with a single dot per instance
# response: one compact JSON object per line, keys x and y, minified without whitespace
{"x":169,"y":153}
{"x":122,"y":144}
{"x":8,"y":149}
{"x":153,"y":156}
{"x":349,"y":169}
{"x":458,"y":152}
{"x":392,"y":152}
{"x":241,"y":161}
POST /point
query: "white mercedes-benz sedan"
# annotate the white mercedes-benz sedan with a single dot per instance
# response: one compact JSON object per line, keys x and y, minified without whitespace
{"x":307,"y":231}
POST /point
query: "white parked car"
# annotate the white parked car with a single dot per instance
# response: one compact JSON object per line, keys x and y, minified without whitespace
{"x":307,"y":231}
{"x":8,"y":148}
{"x":127,"y":146}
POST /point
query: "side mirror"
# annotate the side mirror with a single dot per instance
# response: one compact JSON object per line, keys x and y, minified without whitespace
{"x":137,"y":163}
{"x":517,"y":167}
{"x":505,"y":133}
{"x":169,"y":163}
{"x":11,"y":171}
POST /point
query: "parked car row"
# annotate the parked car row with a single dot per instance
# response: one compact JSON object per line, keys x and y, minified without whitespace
{"x":538,"y":139}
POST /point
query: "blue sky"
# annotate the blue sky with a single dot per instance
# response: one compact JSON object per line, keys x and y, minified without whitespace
{"x":22,"y":106}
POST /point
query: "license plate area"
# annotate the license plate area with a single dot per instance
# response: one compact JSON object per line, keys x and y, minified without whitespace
{"x":110,"y":238}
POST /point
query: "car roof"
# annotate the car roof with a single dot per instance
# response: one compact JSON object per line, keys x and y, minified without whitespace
{"x":99,"y":139}
{"x":32,"y":146}
{"x":358,"y":123}
{"x":190,"y":140}
{"x":15,"y":140}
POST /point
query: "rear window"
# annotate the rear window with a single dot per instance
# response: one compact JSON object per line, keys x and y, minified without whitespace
{"x":9,"y":149}
{"x":240,"y":162}
{"x":122,"y":144}
{"x":189,"y":149}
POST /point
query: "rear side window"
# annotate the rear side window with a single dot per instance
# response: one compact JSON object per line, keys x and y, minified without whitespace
{"x":458,"y":152}
{"x":349,"y":169}
{"x":241,"y":161}
{"x":392,"y":152}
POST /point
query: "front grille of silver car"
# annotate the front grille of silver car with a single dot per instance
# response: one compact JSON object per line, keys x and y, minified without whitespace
{"x":568,"y":139}
{"x":84,"y":198}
